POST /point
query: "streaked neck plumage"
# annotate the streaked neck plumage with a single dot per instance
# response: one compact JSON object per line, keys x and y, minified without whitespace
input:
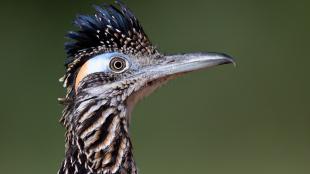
{"x":98,"y":138}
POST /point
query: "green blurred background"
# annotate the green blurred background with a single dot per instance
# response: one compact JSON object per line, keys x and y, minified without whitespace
{"x":252,"y":119}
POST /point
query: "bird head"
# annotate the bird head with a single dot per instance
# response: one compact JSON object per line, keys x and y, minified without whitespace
{"x":111,"y":65}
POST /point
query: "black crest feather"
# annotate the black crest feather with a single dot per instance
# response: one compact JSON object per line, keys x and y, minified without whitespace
{"x":110,"y":29}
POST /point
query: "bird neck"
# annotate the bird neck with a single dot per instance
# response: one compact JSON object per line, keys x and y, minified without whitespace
{"x":98,"y":140}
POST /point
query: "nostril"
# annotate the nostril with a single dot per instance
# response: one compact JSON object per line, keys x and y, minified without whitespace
{"x":171,"y":61}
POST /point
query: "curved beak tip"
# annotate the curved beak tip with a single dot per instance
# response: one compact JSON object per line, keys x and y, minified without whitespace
{"x":229,"y":60}
{"x":220,"y":58}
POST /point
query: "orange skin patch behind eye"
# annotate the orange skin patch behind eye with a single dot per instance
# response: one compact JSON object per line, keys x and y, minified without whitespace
{"x":82,"y":73}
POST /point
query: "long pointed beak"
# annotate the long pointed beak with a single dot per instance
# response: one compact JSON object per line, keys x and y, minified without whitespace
{"x":175,"y":65}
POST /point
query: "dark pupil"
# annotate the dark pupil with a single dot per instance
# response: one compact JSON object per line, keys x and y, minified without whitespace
{"x":118,"y":64}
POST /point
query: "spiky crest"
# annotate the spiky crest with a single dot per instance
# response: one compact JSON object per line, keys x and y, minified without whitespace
{"x":109,"y":29}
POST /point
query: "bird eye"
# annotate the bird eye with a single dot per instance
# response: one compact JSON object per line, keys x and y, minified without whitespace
{"x":118,"y":65}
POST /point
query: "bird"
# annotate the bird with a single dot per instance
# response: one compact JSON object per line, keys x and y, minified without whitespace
{"x":111,"y":65}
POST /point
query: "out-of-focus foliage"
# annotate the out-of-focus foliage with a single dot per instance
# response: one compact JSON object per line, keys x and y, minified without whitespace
{"x":250,"y":119}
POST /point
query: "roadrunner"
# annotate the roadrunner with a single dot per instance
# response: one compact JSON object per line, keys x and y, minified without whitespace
{"x":111,"y":65}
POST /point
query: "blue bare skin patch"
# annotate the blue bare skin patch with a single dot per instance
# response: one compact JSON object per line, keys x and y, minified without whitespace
{"x":100,"y":63}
